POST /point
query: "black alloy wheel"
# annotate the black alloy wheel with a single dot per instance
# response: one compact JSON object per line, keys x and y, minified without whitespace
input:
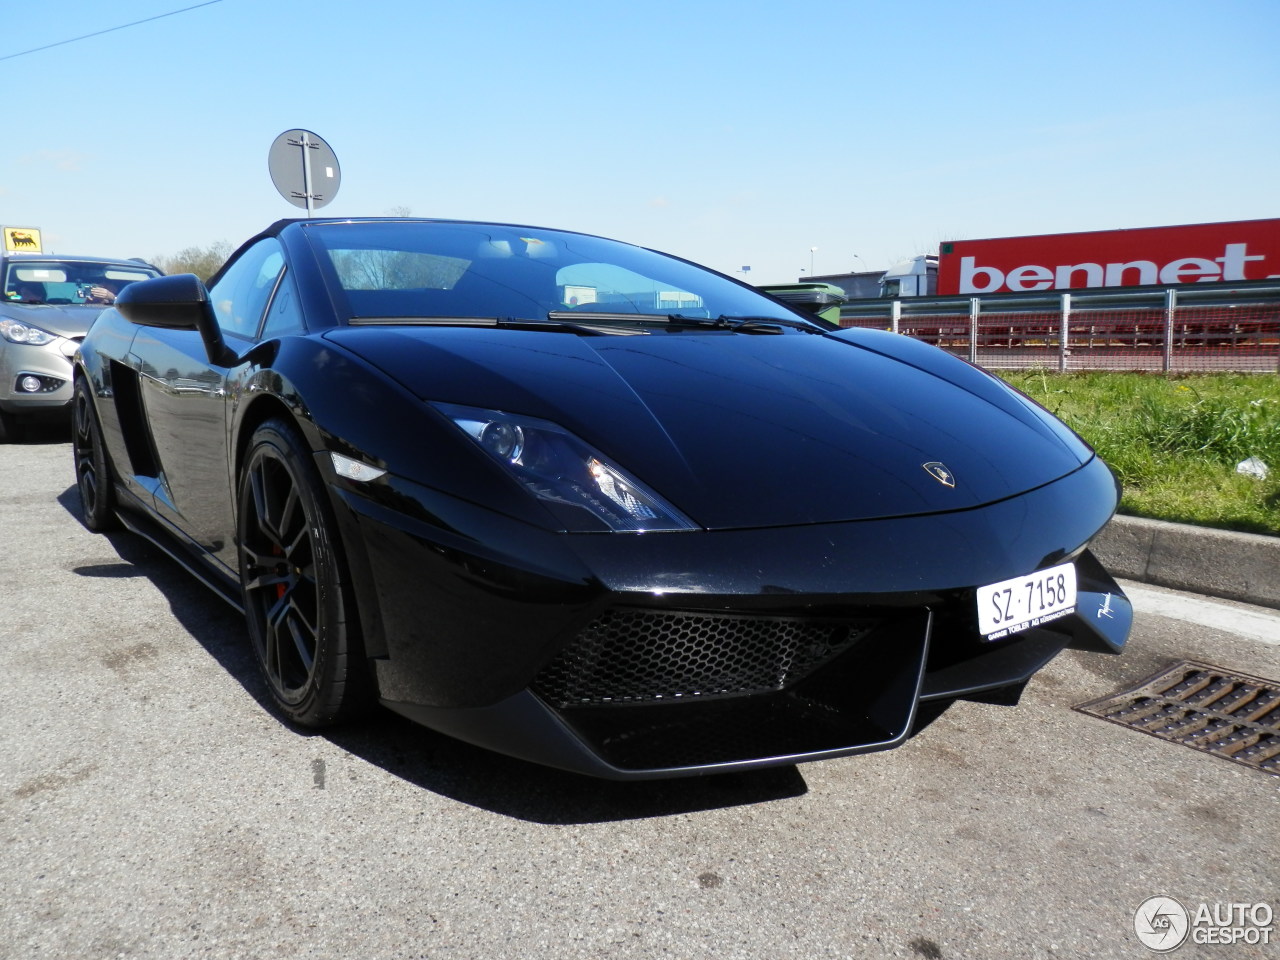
{"x":93,"y":474}
{"x":301,"y":619}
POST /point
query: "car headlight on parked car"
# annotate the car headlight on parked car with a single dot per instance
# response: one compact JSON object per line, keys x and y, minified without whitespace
{"x":16,"y":332}
{"x":561,"y":469}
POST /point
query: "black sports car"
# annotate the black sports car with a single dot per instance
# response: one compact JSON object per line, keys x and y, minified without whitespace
{"x":585,"y":503}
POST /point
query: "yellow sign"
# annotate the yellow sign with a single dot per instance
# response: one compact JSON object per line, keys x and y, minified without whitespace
{"x":22,"y":240}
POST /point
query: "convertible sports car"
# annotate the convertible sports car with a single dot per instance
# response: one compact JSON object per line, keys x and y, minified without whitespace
{"x":585,"y":503}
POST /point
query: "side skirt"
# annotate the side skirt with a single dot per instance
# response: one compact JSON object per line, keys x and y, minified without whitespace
{"x":133,"y":514}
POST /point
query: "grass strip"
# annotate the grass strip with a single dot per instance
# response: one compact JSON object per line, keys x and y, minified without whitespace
{"x":1175,"y":441}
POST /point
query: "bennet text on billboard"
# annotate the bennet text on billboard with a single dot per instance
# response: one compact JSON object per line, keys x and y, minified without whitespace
{"x":1197,"y":253}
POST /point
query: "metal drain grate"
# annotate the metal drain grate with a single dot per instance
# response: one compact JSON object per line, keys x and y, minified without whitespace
{"x":1204,"y":707}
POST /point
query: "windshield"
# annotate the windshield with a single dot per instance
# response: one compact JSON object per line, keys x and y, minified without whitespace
{"x":397,"y":270}
{"x":50,"y":280}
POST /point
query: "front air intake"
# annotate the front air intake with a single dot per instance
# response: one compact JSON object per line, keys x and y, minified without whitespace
{"x":642,"y":656}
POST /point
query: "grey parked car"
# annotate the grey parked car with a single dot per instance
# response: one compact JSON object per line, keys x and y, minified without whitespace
{"x":47,"y":303}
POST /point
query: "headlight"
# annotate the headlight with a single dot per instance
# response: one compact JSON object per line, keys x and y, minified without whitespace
{"x":558,"y":468}
{"x":16,"y":332}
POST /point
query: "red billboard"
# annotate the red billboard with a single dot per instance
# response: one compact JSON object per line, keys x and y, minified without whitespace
{"x":1193,"y":253}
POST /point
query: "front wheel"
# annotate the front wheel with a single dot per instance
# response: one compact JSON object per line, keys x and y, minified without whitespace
{"x":300,"y":615}
{"x":93,"y":473}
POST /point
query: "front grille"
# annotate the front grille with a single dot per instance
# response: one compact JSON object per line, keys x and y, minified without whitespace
{"x":642,"y":656}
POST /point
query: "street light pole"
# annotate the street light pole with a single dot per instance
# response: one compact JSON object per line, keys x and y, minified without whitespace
{"x":812,"y":251}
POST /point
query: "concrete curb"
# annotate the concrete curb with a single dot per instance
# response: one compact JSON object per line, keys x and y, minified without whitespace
{"x":1217,"y":563}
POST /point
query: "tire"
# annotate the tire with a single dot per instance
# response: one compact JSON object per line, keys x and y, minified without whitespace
{"x":297,"y":602}
{"x":10,"y":429}
{"x":94,"y":479}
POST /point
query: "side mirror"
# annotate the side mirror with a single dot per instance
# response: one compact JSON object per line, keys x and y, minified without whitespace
{"x":179,"y":302}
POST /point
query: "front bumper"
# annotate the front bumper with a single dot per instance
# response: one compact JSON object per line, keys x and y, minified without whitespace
{"x":793,"y":644}
{"x":51,"y":363}
{"x":862,"y":700}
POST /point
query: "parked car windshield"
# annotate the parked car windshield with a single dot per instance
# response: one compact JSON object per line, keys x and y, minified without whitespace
{"x":49,"y":280}
{"x":428,"y":269}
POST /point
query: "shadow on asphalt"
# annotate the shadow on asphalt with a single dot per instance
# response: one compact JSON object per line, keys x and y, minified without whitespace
{"x":43,"y":434}
{"x":432,"y":761}
{"x":526,"y":791}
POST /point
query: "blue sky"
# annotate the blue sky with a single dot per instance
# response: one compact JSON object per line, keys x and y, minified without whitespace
{"x":731,"y":133}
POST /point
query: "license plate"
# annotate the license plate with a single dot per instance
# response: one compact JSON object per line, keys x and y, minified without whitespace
{"x":1012,"y":606}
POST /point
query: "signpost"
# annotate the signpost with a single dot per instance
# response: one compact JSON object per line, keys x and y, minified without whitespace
{"x":304,"y":169}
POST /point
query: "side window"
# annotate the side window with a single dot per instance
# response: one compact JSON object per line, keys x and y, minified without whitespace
{"x":285,"y":315}
{"x":240,"y":297}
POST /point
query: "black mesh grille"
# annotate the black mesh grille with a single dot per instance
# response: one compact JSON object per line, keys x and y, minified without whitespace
{"x":640,"y":656}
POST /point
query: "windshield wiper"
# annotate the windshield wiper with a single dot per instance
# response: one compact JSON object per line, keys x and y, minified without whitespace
{"x":591,"y":316}
{"x":757,"y":325}
{"x":558,"y":320}
{"x":601,"y":323}
{"x":636,"y":321}
{"x":762,"y":324}
{"x":754,"y":325}
{"x":570,"y":323}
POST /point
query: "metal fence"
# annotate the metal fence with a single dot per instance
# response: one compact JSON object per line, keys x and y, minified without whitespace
{"x":1181,"y":329}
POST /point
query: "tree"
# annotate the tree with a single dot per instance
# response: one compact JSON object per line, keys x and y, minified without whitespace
{"x":396,"y":269}
{"x":202,"y":261}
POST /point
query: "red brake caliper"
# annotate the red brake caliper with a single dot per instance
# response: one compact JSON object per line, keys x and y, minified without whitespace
{"x":280,"y":587}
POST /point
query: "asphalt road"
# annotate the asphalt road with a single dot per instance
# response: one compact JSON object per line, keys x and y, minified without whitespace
{"x":152,"y":806}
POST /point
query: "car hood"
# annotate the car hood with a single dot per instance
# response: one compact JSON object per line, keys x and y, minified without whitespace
{"x":66,"y":320}
{"x":741,"y":430}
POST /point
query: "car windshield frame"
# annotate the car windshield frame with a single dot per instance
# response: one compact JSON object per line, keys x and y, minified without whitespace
{"x":416,"y":271}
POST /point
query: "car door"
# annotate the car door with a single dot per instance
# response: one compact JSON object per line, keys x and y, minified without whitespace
{"x":186,"y":397}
